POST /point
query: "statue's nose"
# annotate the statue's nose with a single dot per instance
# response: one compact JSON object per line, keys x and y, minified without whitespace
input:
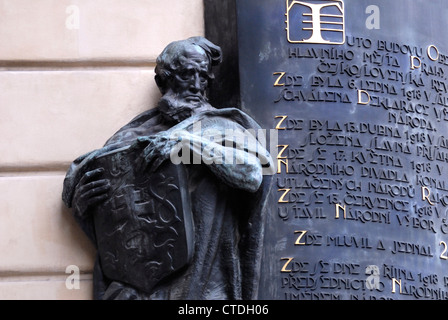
{"x":195,"y":84}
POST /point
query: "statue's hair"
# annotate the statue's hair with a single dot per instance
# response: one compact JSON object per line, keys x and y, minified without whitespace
{"x":168,"y":60}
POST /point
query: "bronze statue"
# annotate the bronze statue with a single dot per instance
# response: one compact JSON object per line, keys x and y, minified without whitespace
{"x":170,"y":215}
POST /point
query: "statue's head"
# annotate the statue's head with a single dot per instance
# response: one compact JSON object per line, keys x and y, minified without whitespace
{"x":184,"y":69}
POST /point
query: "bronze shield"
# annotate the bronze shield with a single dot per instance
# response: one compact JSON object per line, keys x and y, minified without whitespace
{"x":145,"y":229}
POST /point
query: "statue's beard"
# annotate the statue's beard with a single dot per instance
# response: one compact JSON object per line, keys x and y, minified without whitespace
{"x":176,"y":109}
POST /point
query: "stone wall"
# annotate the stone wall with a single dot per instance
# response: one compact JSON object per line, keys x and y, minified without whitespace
{"x":72,"y":72}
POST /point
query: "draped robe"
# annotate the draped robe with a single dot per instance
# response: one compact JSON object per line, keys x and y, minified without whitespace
{"x":228,"y":216}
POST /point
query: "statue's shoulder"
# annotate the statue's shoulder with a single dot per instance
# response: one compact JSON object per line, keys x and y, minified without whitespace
{"x":152,"y":115}
{"x":146,"y":123}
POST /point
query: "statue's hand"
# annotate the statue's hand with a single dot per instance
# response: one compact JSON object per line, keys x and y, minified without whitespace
{"x":156,"y":150}
{"x":90,"y":191}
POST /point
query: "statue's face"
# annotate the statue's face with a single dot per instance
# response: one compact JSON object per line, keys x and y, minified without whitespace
{"x":191,"y":78}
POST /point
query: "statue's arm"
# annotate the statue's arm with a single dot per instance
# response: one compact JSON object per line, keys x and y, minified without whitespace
{"x":245,"y":172}
{"x":238,"y":167}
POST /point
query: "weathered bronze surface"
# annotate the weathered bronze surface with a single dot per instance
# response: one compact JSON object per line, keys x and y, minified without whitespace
{"x":174,"y":201}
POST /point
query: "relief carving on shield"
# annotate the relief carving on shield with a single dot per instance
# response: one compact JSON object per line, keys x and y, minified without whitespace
{"x":144,"y":230}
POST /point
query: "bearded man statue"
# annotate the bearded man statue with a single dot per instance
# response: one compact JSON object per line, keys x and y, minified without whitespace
{"x":175,"y":200}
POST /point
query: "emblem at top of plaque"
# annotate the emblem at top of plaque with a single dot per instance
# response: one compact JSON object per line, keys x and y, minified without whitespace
{"x":315,"y":21}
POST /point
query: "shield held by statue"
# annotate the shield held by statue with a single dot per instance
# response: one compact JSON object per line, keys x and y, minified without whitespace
{"x":144,"y":230}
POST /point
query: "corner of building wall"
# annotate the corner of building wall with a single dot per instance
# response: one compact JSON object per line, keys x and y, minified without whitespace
{"x":72,"y":73}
